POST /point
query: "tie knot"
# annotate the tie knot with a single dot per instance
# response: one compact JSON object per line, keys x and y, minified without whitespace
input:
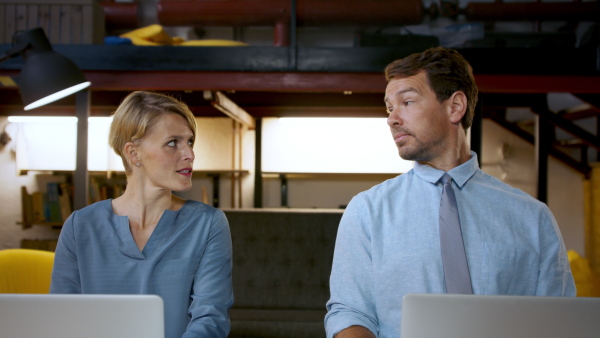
{"x":446,"y":179}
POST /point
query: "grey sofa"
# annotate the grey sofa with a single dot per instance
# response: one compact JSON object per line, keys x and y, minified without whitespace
{"x":281,"y":266}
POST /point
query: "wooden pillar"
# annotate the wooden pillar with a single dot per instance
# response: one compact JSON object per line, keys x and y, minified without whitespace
{"x":258,"y":183}
{"x":591,"y":203}
{"x":284,"y":190}
{"x":476,"y":130}
{"x":543,"y":139}
{"x":80,"y":176}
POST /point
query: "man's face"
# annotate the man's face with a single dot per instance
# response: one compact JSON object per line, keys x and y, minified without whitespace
{"x":418,"y":122}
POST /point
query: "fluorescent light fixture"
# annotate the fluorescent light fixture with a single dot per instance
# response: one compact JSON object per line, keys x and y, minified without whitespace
{"x":40,"y":147}
{"x":96,"y":120}
{"x":58,"y":95}
{"x":42,"y":119}
{"x":330,"y":145}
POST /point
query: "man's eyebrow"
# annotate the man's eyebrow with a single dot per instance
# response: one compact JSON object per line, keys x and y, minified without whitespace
{"x":402,"y":91}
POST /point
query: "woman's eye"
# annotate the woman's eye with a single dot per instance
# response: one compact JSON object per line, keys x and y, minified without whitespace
{"x":172,"y":143}
{"x":191,"y":143}
{"x":389,"y":110}
{"x":406,"y":103}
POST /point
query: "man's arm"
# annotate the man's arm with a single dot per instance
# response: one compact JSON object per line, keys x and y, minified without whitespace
{"x":352,"y":301}
{"x":355,"y":332}
{"x":555,"y":277}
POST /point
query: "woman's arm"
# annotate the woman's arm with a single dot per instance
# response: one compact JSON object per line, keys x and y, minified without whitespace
{"x":65,"y":273}
{"x":212,"y":292}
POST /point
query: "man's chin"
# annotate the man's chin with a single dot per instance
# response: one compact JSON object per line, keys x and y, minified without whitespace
{"x":408,"y":154}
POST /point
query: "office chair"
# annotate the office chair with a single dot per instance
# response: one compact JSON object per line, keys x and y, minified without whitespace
{"x":586,"y":281}
{"x":25,"y":270}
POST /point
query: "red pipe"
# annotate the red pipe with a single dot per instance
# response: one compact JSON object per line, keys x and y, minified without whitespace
{"x":533,"y":11}
{"x":309,"y":12}
{"x":120,"y":15}
{"x":281,"y":33}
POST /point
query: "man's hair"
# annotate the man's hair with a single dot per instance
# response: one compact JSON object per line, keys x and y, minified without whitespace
{"x":138,"y":113}
{"x":447,"y":72}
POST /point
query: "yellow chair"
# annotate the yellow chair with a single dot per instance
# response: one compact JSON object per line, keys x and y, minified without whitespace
{"x":586,"y":281}
{"x":25,"y":271}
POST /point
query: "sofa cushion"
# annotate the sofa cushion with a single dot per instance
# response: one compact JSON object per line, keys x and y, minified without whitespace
{"x":282,"y":258}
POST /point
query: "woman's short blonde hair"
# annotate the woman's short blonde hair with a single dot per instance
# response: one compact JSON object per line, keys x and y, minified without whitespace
{"x":138,"y":112}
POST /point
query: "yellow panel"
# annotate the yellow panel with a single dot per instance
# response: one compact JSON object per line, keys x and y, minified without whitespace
{"x":7,"y":81}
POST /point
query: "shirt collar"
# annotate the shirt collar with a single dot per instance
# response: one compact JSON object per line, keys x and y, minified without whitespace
{"x":460,"y":174}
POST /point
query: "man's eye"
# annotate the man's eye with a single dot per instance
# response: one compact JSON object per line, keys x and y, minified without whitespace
{"x":389,"y":110}
{"x":406,"y":103}
{"x":172,"y":143}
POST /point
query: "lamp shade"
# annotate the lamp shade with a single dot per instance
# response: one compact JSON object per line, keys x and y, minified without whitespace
{"x":46,"y":76}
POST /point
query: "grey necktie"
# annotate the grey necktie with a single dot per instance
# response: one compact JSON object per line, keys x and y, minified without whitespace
{"x":454,"y":259}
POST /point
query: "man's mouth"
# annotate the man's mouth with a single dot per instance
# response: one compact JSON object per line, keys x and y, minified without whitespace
{"x":400,"y":136}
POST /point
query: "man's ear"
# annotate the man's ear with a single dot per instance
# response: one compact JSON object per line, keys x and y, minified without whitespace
{"x":458,"y":106}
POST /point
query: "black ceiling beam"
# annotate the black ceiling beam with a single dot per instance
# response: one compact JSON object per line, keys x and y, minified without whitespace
{"x":510,"y":60}
{"x":532,"y":100}
{"x":593,"y":99}
{"x":499,"y":119}
{"x":569,"y":127}
{"x":509,"y":100}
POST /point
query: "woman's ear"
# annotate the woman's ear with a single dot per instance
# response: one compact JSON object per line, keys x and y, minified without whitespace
{"x":458,"y":106}
{"x":130,"y":151}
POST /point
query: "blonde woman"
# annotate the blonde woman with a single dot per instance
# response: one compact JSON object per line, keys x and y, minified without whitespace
{"x":149,"y":241}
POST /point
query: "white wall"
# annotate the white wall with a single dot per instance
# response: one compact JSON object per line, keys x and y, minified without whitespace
{"x":11,"y":233}
{"x":565,"y":190}
{"x":213,"y":150}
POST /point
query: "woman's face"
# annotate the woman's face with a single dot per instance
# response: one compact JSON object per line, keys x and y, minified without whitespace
{"x":166,"y":153}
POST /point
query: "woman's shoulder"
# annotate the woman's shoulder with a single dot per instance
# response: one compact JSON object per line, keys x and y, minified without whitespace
{"x":94,"y":209}
{"x":193,"y":204}
{"x":194,"y":212}
{"x":199,"y":208}
{"x":96,"y":214}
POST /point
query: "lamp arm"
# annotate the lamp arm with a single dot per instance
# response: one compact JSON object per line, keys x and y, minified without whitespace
{"x":14,"y":51}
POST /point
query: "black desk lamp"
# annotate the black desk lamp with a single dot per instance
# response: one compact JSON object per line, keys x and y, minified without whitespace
{"x":46,"y":76}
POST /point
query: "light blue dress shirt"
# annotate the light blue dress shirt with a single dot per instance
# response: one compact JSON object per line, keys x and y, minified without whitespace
{"x":388,"y":246}
{"x":187,"y":261}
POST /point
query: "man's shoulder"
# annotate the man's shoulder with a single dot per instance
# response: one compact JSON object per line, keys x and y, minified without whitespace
{"x":493,"y":185}
{"x":391,"y":184}
{"x":385,"y":190}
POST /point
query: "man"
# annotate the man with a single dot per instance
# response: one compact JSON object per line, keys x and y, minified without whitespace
{"x":389,"y":241}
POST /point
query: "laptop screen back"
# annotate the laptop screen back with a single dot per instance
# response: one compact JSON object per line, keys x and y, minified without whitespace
{"x":76,"y":316}
{"x":476,"y":316}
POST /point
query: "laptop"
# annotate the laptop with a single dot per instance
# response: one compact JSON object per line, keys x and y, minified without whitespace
{"x":477,"y":316}
{"x":77,"y":316}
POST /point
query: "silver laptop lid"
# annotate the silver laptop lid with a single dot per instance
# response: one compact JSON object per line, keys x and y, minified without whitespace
{"x":77,"y":316}
{"x":477,"y":316}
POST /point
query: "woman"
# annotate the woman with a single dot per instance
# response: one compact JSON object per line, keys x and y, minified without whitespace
{"x":149,"y":241}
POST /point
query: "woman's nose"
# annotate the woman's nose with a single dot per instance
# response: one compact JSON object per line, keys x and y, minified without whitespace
{"x":188,"y":153}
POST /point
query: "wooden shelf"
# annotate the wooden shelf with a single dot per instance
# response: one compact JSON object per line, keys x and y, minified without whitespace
{"x":34,"y":208}
{"x":328,"y":175}
{"x":50,"y":224}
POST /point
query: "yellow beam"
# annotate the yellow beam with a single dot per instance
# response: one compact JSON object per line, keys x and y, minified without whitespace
{"x":229,"y":108}
{"x":7,"y":81}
